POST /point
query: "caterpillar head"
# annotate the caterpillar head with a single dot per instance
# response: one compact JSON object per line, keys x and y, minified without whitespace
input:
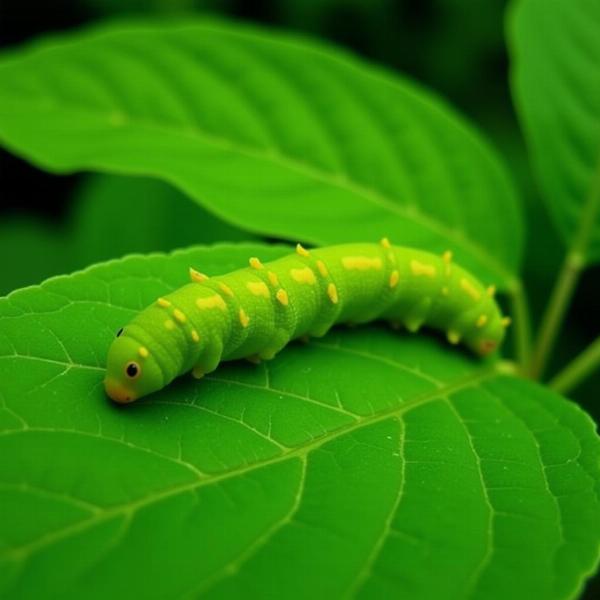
{"x":131,"y":371}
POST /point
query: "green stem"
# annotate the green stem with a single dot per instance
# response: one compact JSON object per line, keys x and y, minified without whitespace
{"x":578,"y":369}
{"x":565,"y":284}
{"x":555,"y":312}
{"x":522,"y":326}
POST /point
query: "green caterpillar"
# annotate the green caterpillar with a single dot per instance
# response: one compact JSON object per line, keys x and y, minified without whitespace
{"x":254,"y":312}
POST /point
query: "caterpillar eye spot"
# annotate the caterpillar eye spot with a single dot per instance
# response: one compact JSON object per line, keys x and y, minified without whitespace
{"x":119,"y":332}
{"x":132,"y":370}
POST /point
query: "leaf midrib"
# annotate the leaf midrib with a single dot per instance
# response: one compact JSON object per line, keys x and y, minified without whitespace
{"x":302,"y":450}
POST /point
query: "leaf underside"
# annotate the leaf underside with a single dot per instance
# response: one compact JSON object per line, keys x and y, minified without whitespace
{"x":367,"y":463}
{"x":275,"y":134}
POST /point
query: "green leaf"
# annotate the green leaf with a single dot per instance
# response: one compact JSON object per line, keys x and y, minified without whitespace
{"x":277,"y":135}
{"x":112,"y":216}
{"x":115,"y":215}
{"x":31,"y":252}
{"x":555,"y":52}
{"x":367,"y":463}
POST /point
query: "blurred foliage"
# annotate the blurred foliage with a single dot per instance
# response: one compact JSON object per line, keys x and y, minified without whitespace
{"x":32,"y":251}
{"x":112,"y":216}
{"x":131,"y":7}
{"x":116,"y":215}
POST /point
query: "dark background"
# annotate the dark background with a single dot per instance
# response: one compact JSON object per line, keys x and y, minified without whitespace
{"x":455,"y":47}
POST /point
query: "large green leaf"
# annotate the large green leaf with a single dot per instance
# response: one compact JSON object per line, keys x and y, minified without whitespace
{"x":556,"y":84}
{"x":367,"y":463}
{"x":277,"y":135}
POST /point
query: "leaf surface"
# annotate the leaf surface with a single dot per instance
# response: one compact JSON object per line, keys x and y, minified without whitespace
{"x":556,"y":83}
{"x":368,"y":463}
{"x":277,"y":135}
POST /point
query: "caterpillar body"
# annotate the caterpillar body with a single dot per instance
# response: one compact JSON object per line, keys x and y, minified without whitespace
{"x":254,"y":312}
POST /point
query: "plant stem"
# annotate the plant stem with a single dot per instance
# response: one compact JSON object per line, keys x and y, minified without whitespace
{"x":565,"y":284}
{"x":522,"y":326}
{"x":555,"y":311}
{"x":578,"y":369}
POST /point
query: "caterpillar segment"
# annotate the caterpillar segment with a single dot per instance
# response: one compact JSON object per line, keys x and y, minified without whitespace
{"x":254,"y":312}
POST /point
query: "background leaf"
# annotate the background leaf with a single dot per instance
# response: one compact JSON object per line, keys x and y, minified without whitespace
{"x":555,"y":53}
{"x":32,"y":251}
{"x":214,"y":109}
{"x":112,"y":216}
{"x":366,"y":462}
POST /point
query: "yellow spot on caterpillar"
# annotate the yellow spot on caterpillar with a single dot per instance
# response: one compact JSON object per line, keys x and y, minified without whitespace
{"x":163,"y":302}
{"x":215,"y":301}
{"x":197,"y":276}
{"x":322,"y":268}
{"x":305,"y":275}
{"x":413,"y":325}
{"x":481,"y":321}
{"x":491,"y":291}
{"x":244,"y":318}
{"x":258,"y":288}
{"x":282,"y":297}
{"x":179,"y":316}
{"x":273,"y":279}
{"x":195,"y":335}
{"x":255,"y":263}
{"x":361,"y":263}
{"x":453,"y":336}
{"x":506,"y":321}
{"x":143,"y":352}
{"x":447,"y":258}
{"x":197,"y":373}
{"x":468,"y":287}
{"x":445,"y":291}
{"x":385,"y":243}
{"x":394,"y":278}
{"x":419,"y":268}
{"x":117,"y":118}
{"x":332,"y":293}
{"x":169,"y":324}
{"x":302,"y":251}
{"x":226,"y":289}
